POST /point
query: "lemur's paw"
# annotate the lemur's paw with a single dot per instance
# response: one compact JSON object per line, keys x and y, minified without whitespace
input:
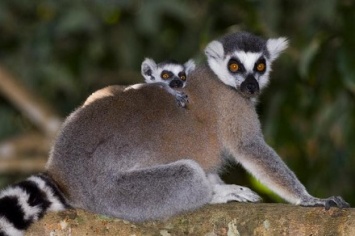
{"x":223,"y":193}
{"x":334,"y":201}
{"x":181,"y":99}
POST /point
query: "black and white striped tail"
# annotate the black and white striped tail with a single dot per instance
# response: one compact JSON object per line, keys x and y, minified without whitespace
{"x":26,"y":202}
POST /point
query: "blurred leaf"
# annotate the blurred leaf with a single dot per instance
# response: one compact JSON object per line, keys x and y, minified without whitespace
{"x":76,"y":19}
{"x":346,"y":64}
{"x":308,"y":56}
{"x":59,"y":75}
{"x":8,"y":118}
{"x":152,"y":12}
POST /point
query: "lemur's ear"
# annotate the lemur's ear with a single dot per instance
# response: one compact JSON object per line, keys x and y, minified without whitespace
{"x":276,"y":46}
{"x":214,"y":50}
{"x":189,"y":66}
{"x":147,"y":68}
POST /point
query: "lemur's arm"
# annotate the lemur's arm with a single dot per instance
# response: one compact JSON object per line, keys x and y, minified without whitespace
{"x":264,"y":163}
{"x":180,"y":96}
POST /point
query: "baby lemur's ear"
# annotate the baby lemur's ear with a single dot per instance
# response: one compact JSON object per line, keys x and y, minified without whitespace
{"x":147,"y":68}
{"x":189,"y":66}
{"x":276,"y":46}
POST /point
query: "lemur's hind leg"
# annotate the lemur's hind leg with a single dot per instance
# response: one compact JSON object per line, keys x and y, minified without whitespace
{"x":223,"y":193}
{"x":156,"y":192}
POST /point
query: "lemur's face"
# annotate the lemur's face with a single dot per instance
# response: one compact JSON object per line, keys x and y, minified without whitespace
{"x":170,"y":73}
{"x":243,"y":61}
{"x":246,"y":71}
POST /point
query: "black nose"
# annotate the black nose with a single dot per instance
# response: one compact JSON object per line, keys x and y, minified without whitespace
{"x":250,"y":86}
{"x":176,"y":83}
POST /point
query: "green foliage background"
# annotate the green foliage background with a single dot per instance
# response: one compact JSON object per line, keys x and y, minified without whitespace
{"x":64,"y":50}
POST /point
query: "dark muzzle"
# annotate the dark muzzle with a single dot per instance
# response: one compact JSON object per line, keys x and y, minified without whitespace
{"x":176,"y":83}
{"x":250,"y":87}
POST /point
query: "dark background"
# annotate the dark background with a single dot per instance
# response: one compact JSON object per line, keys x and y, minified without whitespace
{"x":64,"y":50}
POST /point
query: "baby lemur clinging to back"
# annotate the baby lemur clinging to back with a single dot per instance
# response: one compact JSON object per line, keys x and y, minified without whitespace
{"x":170,"y":74}
{"x":136,"y":155}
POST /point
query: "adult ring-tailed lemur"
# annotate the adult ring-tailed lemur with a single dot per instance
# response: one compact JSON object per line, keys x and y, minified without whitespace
{"x":137,"y":155}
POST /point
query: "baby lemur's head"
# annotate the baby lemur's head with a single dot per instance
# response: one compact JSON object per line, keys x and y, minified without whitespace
{"x":243,"y":60}
{"x":169,"y":72}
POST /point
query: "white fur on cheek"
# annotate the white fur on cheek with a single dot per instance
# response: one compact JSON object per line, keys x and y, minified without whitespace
{"x":219,"y":67}
{"x":218,"y":62}
{"x":264,"y":80}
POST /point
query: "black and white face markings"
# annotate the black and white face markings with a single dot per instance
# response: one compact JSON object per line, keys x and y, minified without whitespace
{"x":244,"y":64}
{"x":173,"y":80}
{"x":27,"y":202}
{"x":248,"y":69}
{"x":168,"y":72}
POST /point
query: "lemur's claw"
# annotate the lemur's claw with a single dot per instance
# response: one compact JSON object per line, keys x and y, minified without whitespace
{"x":336,"y":201}
{"x":327,"y":203}
{"x":181,"y":99}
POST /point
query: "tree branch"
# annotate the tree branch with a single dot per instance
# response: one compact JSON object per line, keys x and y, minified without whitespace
{"x":232,"y":219}
{"x":29,"y":104}
{"x":26,"y":153}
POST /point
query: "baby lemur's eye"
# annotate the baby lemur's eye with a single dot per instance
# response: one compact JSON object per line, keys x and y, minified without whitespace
{"x":165,"y":75}
{"x":182,"y":76}
{"x":233,"y":66}
{"x":261,"y":67}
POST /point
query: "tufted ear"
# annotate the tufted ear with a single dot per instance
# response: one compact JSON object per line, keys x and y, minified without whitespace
{"x":214,"y":50}
{"x":147,"y":68}
{"x":276,"y":46}
{"x":189,"y":66}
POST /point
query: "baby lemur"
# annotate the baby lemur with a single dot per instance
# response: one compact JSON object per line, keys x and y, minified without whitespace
{"x":136,"y":155}
{"x":169,"y":74}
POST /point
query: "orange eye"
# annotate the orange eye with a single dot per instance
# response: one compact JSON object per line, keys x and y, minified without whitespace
{"x":183,"y":77}
{"x":260,"y":67}
{"x":165,"y":76}
{"x":233,"y":67}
